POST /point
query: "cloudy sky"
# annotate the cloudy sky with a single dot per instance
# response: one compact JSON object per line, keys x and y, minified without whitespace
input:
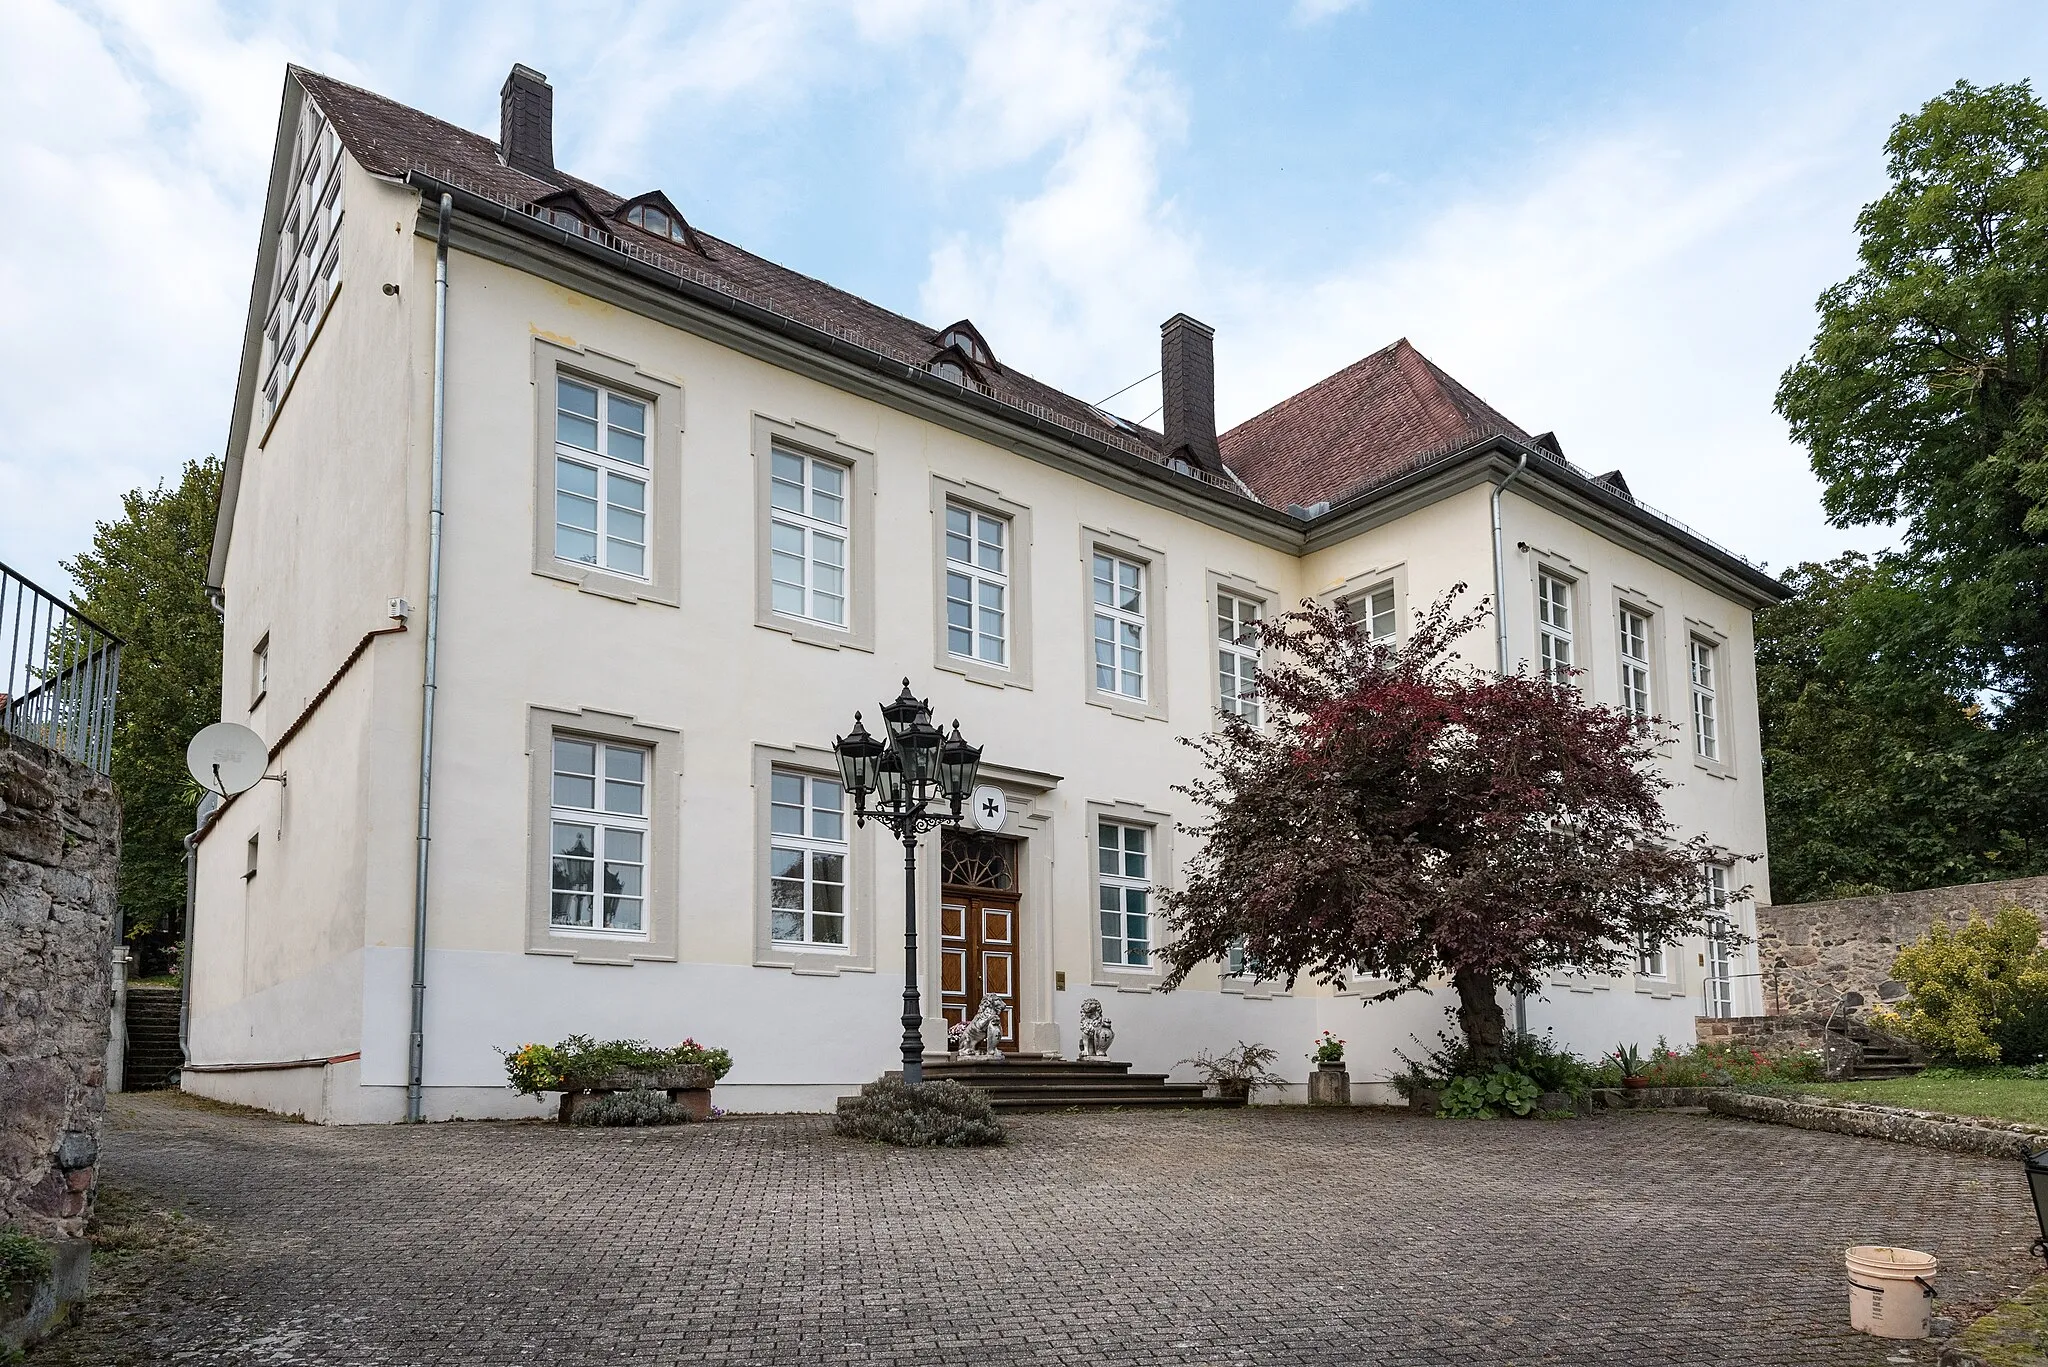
{"x":1610,"y":220}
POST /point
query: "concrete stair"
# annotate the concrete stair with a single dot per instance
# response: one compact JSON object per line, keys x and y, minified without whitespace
{"x":153,"y":1058}
{"x":1882,"y":1055}
{"x":1051,"y":1084}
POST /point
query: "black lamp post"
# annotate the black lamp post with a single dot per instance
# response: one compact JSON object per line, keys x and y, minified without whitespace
{"x":2037,"y":1184}
{"x":918,"y":779}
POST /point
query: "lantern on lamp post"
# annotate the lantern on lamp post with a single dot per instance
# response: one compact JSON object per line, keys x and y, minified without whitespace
{"x":915,"y":779}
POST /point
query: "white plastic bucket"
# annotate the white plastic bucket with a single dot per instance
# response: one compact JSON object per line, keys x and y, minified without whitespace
{"x":1891,"y":1291}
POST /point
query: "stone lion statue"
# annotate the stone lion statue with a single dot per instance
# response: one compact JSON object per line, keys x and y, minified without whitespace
{"x":1097,"y":1034}
{"x":983,"y":1035}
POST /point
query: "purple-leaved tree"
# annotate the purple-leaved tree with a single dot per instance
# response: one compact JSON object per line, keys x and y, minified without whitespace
{"x":1405,"y":816}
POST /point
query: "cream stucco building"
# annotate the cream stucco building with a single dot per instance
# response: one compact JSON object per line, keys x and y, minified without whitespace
{"x":697,"y":509}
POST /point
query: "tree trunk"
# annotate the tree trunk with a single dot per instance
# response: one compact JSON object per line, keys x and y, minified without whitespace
{"x":1480,"y":1017}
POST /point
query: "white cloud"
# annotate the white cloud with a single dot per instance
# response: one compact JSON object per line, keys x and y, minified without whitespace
{"x":1315,"y":11}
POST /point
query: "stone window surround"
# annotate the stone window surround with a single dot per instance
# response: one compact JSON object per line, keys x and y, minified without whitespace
{"x":1123,"y":979}
{"x":1586,"y":672}
{"x":1375,"y":577}
{"x":1723,"y":765}
{"x":798,"y":436}
{"x":1216,"y":581}
{"x":1153,"y":704}
{"x":664,"y":782}
{"x":1636,"y":601}
{"x":861,"y":850}
{"x":983,"y":499}
{"x":664,"y":398}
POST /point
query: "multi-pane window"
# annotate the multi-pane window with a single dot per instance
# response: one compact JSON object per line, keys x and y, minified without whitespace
{"x":1237,"y":654}
{"x":1373,"y":610}
{"x":1119,"y":625}
{"x":1635,"y":663}
{"x":1124,"y":882}
{"x":1706,"y":741}
{"x":300,"y":291}
{"x":1719,"y":988}
{"x":600,"y":477}
{"x":598,"y":826}
{"x":807,"y":537}
{"x":1239,"y":963}
{"x":1554,"y":625}
{"x":977,"y":585}
{"x":807,"y":859}
{"x":1649,"y":959}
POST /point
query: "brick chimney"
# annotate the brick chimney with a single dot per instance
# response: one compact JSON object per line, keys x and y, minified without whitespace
{"x":526,"y":123}
{"x":1187,"y":376}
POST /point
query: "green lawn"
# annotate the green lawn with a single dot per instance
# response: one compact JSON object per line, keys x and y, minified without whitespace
{"x":2000,"y":1098}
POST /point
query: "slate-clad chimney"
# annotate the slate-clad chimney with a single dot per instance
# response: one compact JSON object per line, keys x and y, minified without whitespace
{"x":526,"y":122}
{"x":1187,"y":375}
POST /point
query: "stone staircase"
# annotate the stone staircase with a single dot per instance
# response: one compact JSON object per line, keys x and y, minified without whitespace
{"x":1051,"y":1084}
{"x":1880,"y":1055}
{"x":153,"y":1058}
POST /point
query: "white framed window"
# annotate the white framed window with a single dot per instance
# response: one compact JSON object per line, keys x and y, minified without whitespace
{"x":1237,"y":654}
{"x":654,"y":219}
{"x":807,"y":853}
{"x":249,"y":857}
{"x":1650,"y":960}
{"x":977,"y":585}
{"x":1706,"y":740}
{"x":1119,"y":625}
{"x":807,"y":537}
{"x":598,"y":833}
{"x":1373,"y":610}
{"x":1554,"y":625}
{"x":1718,"y":991}
{"x":1124,"y":887}
{"x":601,"y":477}
{"x":1635,"y":661}
{"x":259,"y":670}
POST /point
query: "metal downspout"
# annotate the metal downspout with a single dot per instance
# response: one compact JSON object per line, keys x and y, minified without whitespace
{"x":415,"y":1109}
{"x":1500,"y":637}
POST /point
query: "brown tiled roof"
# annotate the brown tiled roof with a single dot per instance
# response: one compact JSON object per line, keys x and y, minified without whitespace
{"x":391,"y":138}
{"x":1362,"y":426}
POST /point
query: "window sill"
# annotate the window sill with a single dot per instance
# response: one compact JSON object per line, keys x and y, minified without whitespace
{"x":1718,"y":768}
{"x":1662,"y":989}
{"x":982,"y":672}
{"x":1137,"y":709}
{"x":603,"y":583}
{"x":1138,"y":981}
{"x":811,"y":633}
{"x":594,"y":933}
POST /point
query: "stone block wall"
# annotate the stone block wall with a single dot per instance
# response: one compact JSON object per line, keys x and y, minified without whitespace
{"x":60,"y":834}
{"x":1810,"y":953}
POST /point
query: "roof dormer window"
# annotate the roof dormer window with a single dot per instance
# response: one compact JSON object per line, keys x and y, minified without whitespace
{"x":568,"y":211}
{"x":653,"y":213}
{"x":967,"y":340}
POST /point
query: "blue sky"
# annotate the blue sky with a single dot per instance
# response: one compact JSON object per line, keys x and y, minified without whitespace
{"x":1610,"y":220}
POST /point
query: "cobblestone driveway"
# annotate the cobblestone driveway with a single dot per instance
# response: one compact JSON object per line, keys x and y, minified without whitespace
{"x":1263,"y":1236}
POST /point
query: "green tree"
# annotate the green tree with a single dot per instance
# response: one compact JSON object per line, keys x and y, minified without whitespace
{"x":1924,"y":397}
{"x":145,"y":578}
{"x":1881,"y":771}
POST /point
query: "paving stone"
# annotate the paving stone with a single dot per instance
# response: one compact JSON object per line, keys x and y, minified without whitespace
{"x":1265,"y":1236}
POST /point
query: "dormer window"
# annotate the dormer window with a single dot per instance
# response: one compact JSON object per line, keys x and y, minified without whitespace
{"x":562,"y":218}
{"x":653,"y":213}
{"x":568,"y":211}
{"x":653,"y":220}
{"x":950,"y":369}
{"x":964,"y":338}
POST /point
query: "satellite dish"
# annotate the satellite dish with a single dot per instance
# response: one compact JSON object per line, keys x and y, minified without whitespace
{"x":227,"y":758}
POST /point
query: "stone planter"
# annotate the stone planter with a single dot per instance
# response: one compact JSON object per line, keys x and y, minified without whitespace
{"x":1329,"y":1085}
{"x":1234,"y":1088}
{"x":688,"y":1087}
{"x":1426,"y":1100}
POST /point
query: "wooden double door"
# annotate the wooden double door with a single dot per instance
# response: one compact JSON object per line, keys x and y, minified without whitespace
{"x":978,"y":941}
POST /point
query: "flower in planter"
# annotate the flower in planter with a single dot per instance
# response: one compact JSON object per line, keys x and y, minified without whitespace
{"x":1329,"y":1050}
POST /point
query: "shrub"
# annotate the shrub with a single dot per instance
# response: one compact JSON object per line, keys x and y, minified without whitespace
{"x":944,"y":1114}
{"x":1980,"y":993}
{"x":23,"y":1262}
{"x":579,"y":1061}
{"x":1503,"y":1089}
{"x":638,"y":1106}
{"x":1248,"y":1066}
{"x":1541,"y":1058}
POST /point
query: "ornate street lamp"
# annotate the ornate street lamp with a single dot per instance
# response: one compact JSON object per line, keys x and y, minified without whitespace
{"x":2037,"y":1184}
{"x":905,"y":776}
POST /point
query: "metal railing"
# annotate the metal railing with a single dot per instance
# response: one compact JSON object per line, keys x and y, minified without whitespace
{"x":63,"y":671}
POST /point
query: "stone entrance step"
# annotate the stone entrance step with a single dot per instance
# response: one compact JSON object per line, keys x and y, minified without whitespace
{"x":1050,"y":1084}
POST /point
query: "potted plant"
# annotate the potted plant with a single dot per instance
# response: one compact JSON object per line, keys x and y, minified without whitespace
{"x":583,"y":1069}
{"x":1629,"y":1060}
{"x":1236,"y":1073}
{"x":1330,"y":1084}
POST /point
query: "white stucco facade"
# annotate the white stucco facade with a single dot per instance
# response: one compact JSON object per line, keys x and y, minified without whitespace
{"x":301,"y":962}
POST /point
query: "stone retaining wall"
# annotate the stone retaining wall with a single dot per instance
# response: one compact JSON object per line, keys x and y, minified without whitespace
{"x":1810,"y":953}
{"x":59,"y":851}
{"x":1929,"y":1129}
